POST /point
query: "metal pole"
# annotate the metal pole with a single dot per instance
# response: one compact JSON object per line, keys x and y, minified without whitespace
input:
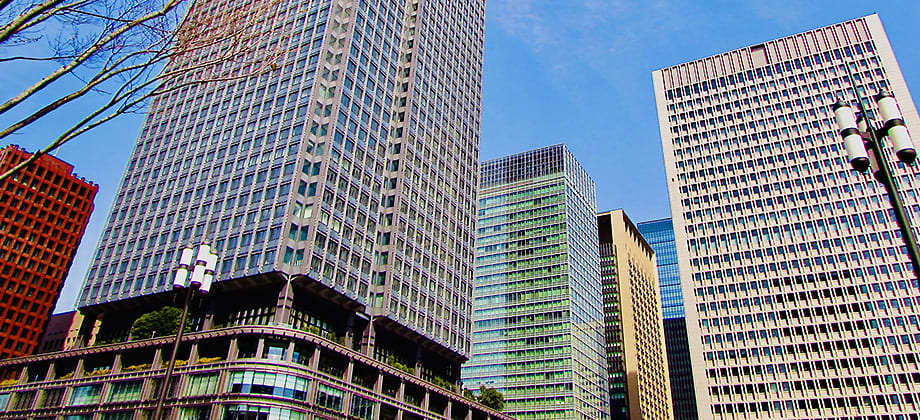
{"x":172,"y":358}
{"x":894,"y":198}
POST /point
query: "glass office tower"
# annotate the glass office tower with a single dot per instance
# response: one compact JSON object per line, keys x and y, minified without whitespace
{"x":660,"y":236}
{"x":353,"y":162}
{"x":801,"y":301}
{"x":538,"y":334}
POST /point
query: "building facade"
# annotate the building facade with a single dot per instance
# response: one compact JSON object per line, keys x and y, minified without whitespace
{"x":354,"y":160}
{"x":538,"y":334}
{"x":62,"y":332}
{"x":44,"y":210}
{"x":637,"y":362}
{"x":265,"y":347}
{"x":800,"y":297}
{"x":660,"y":236}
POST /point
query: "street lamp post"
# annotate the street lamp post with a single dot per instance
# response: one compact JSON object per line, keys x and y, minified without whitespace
{"x":202,"y":275}
{"x":863,"y":142}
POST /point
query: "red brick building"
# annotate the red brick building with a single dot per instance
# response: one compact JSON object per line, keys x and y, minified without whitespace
{"x":43,"y":213}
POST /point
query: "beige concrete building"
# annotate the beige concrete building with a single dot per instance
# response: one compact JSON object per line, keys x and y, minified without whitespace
{"x":636,"y":356}
{"x":801,"y":302}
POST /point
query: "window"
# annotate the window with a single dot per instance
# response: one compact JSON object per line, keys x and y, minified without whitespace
{"x":202,"y":384}
{"x":83,"y":395}
{"x":23,"y":400}
{"x":329,"y":397}
{"x":362,"y":408}
{"x":264,"y":383}
{"x":244,"y":411}
{"x":193,"y":413}
{"x":126,"y":391}
{"x":50,"y":398}
{"x":119,"y":415}
{"x":274,"y":350}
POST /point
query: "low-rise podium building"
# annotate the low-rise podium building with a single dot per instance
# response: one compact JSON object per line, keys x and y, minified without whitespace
{"x":268,"y":346}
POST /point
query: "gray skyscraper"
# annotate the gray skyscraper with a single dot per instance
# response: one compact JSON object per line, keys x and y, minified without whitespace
{"x":354,"y":162}
{"x":538,"y":305}
{"x":801,"y":301}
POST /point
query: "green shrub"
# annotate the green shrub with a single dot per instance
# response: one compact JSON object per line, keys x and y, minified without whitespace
{"x":99,"y":372}
{"x":136,"y":368}
{"x":163,"y":322}
{"x":392,"y":362}
{"x":444,"y":383}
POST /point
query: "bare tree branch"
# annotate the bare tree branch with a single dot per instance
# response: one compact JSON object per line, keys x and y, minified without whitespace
{"x":17,"y":24}
{"x":82,"y":57}
{"x":21,"y":58}
{"x":209,"y":45}
{"x":4,"y":3}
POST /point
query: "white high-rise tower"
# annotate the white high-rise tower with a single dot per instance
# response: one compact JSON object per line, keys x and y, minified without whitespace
{"x":801,"y":301}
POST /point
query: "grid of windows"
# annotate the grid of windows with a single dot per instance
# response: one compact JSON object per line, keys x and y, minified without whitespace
{"x":266,"y":383}
{"x":802,"y":286}
{"x":252,"y":411}
{"x":354,"y":162}
{"x":660,"y":236}
{"x":636,"y":356}
{"x":43,"y":212}
{"x":538,"y":310}
{"x":126,"y":391}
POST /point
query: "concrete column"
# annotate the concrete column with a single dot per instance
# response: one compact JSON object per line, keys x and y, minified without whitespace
{"x":116,"y":364}
{"x":350,"y":330}
{"x":260,"y":347}
{"x":157,"y":358}
{"x":208,"y":323}
{"x":289,"y":356}
{"x":78,"y":371}
{"x":378,"y":386}
{"x":418,"y":361}
{"x":349,"y":370}
{"x":49,"y":374}
{"x":284,"y":304}
{"x":311,"y":391}
{"x":234,"y":351}
{"x":368,"y":336}
{"x":193,"y":354}
{"x":314,"y":359}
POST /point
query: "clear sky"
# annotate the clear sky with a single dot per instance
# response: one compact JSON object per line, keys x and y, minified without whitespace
{"x":570,"y":71}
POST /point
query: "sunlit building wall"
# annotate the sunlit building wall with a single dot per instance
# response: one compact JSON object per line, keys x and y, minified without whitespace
{"x":800,"y":298}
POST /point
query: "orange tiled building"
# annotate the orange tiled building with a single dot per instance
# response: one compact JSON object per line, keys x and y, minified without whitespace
{"x":43,"y":213}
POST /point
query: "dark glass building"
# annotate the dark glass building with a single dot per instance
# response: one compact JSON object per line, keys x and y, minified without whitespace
{"x":660,"y":235}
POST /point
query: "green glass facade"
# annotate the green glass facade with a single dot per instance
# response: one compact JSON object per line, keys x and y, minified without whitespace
{"x":538,"y":315}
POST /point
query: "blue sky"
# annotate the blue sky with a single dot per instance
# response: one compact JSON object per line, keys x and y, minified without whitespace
{"x":570,"y":71}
